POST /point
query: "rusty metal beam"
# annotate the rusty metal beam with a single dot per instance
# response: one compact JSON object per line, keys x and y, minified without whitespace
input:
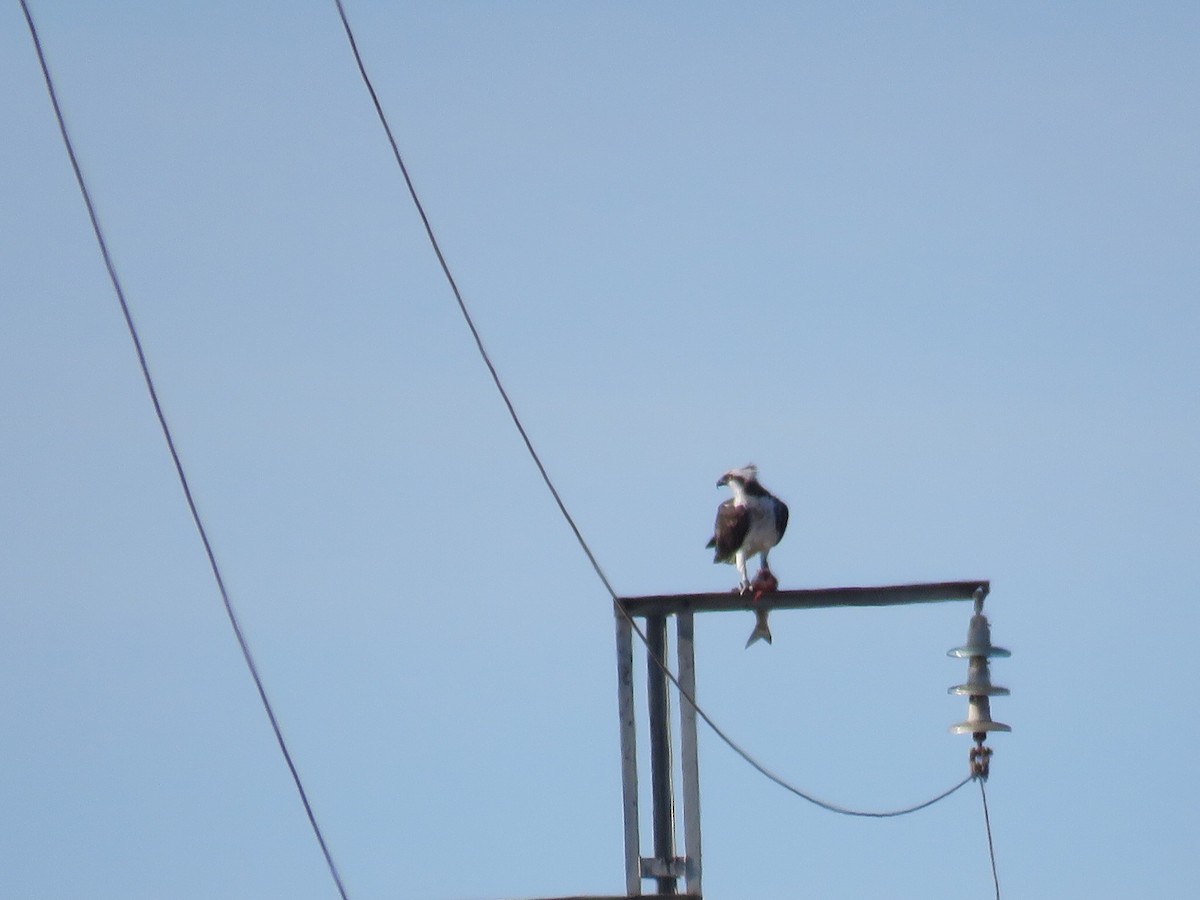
{"x":807,"y":598}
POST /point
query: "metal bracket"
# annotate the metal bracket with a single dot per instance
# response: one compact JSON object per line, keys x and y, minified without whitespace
{"x":979,"y":758}
{"x":662,"y":868}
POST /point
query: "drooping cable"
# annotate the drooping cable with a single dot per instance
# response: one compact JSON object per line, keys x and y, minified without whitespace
{"x":618,"y":606}
{"x":763,"y":770}
{"x":179,"y":471}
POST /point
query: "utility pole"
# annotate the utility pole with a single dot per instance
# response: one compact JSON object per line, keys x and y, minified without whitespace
{"x":665,"y":867}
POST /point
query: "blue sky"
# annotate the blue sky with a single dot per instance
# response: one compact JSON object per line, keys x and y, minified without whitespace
{"x":932,"y":266}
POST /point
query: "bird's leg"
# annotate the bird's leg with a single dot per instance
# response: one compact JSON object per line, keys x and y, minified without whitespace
{"x":762,"y":563}
{"x":744,"y":583}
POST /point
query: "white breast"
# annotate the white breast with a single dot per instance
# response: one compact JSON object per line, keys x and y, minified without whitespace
{"x":762,"y":534}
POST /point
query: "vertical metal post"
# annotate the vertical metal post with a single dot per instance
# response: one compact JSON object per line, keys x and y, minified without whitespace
{"x":688,"y":750}
{"x":661,"y":792}
{"x":629,"y":785}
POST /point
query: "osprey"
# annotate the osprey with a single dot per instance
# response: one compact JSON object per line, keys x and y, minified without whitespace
{"x":751,"y":522}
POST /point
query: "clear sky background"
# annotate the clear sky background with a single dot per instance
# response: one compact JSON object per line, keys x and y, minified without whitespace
{"x":933,"y":266}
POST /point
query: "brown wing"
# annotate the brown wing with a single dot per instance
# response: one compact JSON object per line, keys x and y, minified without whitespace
{"x":781,"y":519}
{"x":733,"y":523}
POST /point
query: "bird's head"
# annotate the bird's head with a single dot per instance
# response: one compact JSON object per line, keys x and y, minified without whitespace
{"x":741,"y":476}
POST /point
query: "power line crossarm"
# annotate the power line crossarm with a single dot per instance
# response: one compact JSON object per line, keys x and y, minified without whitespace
{"x":805,"y":598}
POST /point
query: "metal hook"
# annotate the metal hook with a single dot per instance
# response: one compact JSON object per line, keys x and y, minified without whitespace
{"x":980,"y":757}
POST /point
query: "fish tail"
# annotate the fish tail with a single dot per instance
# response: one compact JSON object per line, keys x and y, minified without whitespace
{"x":762,"y":631}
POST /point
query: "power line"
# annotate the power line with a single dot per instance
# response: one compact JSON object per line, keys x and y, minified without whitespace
{"x":166,"y":431}
{"x":462,"y":306}
{"x":512,"y":412}
{"x":987,"y":822}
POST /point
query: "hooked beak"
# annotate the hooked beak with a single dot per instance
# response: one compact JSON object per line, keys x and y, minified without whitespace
{"x":724,"y":481}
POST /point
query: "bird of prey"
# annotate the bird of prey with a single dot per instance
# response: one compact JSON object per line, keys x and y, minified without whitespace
{"x":751,"y":522}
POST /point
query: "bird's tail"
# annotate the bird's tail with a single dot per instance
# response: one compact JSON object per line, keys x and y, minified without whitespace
{"x":761,"y":632}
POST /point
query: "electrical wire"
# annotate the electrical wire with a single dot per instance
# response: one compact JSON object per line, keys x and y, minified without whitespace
{"x":462,"y":306}
{"x":831,"y":807}
{"x":179,"y":471}
{"x":512,"y":412}
{"x":762,"y":769}
{"x":987,"y":823}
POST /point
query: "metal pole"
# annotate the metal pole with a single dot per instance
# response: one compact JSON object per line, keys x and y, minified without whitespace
{"x":660,"y":752}
{"x":688,"y":751}
{"x":629,"y":785}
